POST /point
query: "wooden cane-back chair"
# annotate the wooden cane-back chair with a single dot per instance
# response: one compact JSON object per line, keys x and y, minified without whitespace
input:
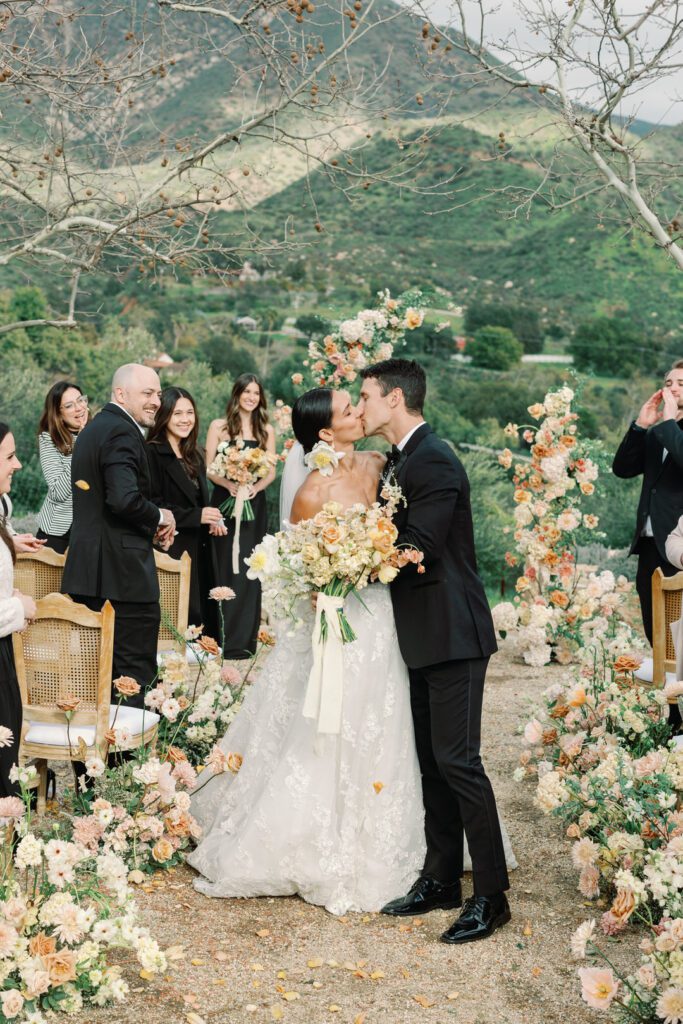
{"x":39,"y":573}
{"x":174,"y":597}
{"x":67,"y":653}
{"x":666,"y":608}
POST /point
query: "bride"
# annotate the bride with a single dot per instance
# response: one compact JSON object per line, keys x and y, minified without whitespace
{"x":337,"y":819}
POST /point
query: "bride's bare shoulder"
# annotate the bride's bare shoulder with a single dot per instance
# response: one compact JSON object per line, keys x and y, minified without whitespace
{"x":308,"y":499}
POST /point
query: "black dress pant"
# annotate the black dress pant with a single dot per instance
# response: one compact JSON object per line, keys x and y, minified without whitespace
{"x":136,"y":634}
{"x":446,"y":702}
{"x":649,"y":559}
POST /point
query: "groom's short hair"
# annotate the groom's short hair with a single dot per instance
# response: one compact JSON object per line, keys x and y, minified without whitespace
{"x":405,"y":374}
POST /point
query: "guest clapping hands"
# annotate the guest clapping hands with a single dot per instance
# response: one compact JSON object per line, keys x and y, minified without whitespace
{"x":178,"y":475}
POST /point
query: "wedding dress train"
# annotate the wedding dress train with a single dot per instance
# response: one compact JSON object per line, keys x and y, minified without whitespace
{"x":337,"y":819}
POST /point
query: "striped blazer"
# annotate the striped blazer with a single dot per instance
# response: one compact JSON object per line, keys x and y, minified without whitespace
{"x":56,"y":513}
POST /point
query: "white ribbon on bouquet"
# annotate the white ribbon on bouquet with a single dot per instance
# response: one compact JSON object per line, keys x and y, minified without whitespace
{"x":240,"y":498}
{"x":325,"y":689}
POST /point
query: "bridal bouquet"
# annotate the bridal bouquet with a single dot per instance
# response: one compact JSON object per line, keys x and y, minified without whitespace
{"x":334,"y":554}
{"x":244,"y":467}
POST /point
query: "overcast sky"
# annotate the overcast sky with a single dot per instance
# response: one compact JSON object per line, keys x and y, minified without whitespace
{"x":658,"y":102}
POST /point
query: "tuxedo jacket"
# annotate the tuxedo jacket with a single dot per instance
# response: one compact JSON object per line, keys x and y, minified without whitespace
{"x":442,"y":614}
{"x":661,"y":496}
{"x":110,"y":552}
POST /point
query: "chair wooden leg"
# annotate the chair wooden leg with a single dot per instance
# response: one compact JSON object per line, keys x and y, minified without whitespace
{"x":41,"y":765}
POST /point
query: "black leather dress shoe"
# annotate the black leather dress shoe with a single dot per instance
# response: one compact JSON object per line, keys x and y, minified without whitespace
{"x":425,"y":895}
{"x":480,"y":917}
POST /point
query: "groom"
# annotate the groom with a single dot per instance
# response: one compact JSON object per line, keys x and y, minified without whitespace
{"x":446,"y":637}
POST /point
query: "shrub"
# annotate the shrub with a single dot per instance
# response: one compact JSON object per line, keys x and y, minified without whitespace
{"x":495,"y":348}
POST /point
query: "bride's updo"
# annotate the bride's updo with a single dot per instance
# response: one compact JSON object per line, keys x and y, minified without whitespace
{"x":311,"y":413}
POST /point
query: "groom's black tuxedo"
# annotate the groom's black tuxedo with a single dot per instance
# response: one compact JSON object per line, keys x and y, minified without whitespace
{"x":446,"y":636}
{"x":442,"y":614}
{"x":110,"y":554}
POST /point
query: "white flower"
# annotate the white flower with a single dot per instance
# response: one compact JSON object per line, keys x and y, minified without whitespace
{"x":583,"y":934}
{"x":323,"y":457}
{"x":94,"y":766}
{"x":29,"y":852}
{"x":352,"y":330}
{"x":505,"y":616}
{"x":170,"y":709}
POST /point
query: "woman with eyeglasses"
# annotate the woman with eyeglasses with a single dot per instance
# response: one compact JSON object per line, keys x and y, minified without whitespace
{"x":65,"y":413}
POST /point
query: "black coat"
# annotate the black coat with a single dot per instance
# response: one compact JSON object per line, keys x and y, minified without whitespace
{"x":110,"y":552}
{"x":661,"y":496}
{"x":442,"y":615}
{"x":172,"y":489}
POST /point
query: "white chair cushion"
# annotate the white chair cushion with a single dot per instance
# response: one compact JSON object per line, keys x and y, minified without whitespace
{"x":644,"y":672}
{"x":49,"y":734}
{"x":678,"y":742}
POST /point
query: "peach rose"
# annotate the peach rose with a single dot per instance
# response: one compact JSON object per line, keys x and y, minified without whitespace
{"x":126,"y":686}
{"x":41,"y":944}
{"x":61,"y":966}
{"x":68,"y":703}
{"x":162,"y":851}
{"x":235,"y":762}
{"x":208,"y":644}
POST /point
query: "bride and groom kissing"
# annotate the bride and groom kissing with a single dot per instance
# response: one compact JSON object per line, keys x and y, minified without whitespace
{"x":398,"y":801}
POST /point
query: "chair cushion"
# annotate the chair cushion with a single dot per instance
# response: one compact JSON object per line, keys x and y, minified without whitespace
{"x":50,"y":734}
{"x":678,"y":742}
{"x":190,"y":656}
{"x":644,"y":672}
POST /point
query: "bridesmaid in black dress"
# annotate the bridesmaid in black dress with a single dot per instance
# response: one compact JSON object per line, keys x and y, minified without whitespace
{"x":176,"y":465}
{"x":245,"y":419}
{"x":16,"y":610}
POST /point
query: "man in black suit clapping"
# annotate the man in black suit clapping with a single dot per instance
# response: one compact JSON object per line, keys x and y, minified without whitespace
{"x":110,"y":554}
{"x":446,"y":636}
{"x":653,"y":448}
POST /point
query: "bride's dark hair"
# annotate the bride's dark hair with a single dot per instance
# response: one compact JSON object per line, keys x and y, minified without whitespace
{"x":311,"y":413}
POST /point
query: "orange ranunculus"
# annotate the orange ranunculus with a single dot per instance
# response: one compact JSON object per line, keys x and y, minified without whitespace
{"x":549,"y":737}
{"x":178,"y":825}
{"x":175,"y":754}
{"x":577,"y":697}
{"x":559,"y":598}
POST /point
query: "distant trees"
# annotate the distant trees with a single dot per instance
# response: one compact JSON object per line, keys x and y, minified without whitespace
{"x":522,"y":320}
{"x":614,"y":347}
{"x":495,"y":348}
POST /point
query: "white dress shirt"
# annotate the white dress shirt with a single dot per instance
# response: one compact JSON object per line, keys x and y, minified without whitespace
{"x":404,"y":441}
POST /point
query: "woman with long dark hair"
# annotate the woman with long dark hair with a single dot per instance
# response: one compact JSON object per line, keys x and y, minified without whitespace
{"x":176,"y":465}
{"x":65,"y":413}
{"x":16,"y":610}
{"x":245,"y":423}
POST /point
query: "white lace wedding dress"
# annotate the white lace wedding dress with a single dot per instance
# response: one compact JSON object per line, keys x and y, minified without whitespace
{"x":337,"y":819}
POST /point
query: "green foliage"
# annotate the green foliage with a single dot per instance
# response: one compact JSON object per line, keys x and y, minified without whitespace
{"x":613,"y":346}
{"x":523,"y":320}
{"x":225,"y":355}
{"x":432,"y":341}
{"x":28,"y":303}
{"x":493,"y":519}
{"x":495,"y":348}
{"x":313,"y":325}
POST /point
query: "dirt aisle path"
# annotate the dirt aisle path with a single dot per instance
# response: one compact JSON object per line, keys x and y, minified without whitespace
{"x":264,"y":960}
